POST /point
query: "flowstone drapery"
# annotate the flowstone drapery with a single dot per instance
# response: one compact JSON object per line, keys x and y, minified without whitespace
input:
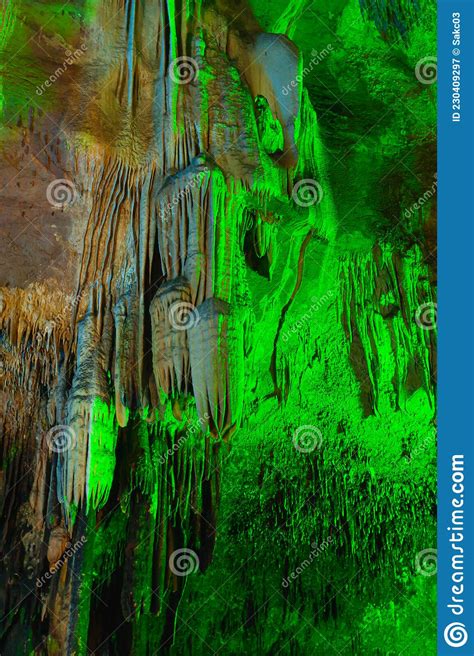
{"x":176,"y":291}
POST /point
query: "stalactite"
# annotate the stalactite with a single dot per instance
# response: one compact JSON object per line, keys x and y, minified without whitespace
{"x":171,"y":364}
{"x":392,"y":17}
{"x":379,"y":300}
{"x":189,"y":250}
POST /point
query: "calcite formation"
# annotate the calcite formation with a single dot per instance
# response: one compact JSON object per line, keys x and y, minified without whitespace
{"x":161,"y":197}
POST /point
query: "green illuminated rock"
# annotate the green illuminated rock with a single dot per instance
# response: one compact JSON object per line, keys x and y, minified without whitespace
{"x":217,"y":316}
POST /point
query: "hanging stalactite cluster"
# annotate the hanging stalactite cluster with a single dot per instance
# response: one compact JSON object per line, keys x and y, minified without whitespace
{"x":391,"y":350}
{"x":198,"y":191}
{"x":155,"y":333}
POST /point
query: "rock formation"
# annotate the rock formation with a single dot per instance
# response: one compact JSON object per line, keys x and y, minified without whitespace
{"x":176,"y":270}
